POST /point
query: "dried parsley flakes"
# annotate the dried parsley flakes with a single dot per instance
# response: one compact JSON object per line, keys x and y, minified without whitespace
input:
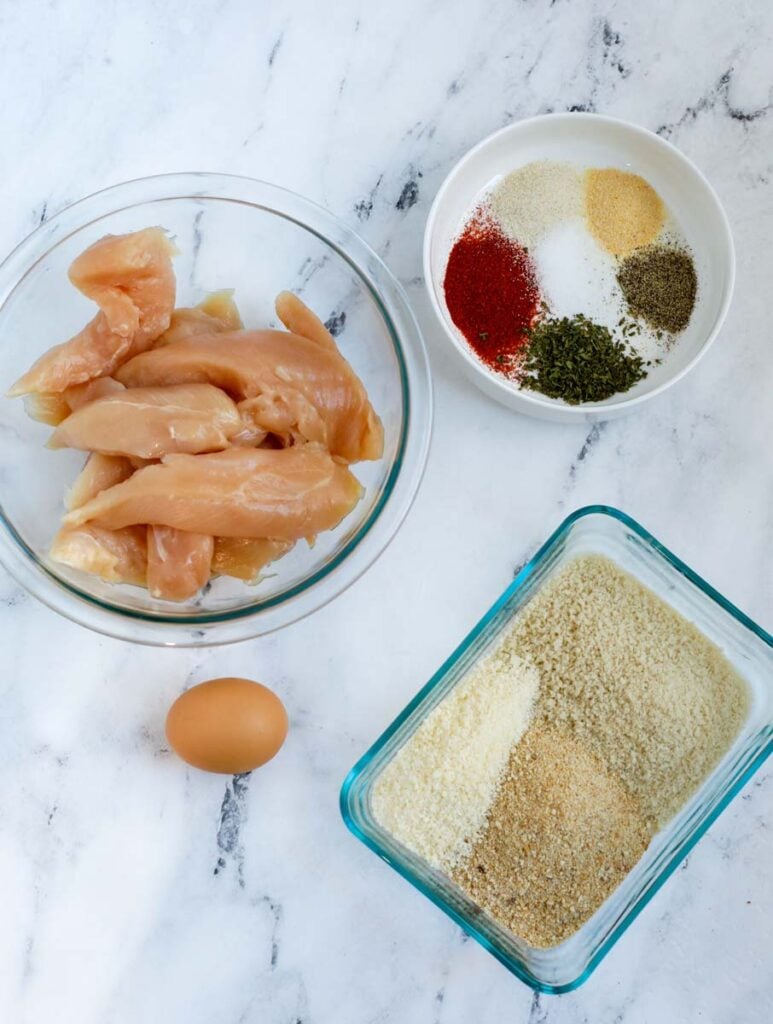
{"x":578,"y":360}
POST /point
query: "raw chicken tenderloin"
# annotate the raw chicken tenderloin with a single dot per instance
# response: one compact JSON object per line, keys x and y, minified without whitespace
{"x":81,"y":394}
{"x":47,"y":407}
{"x":289,"y":373}
{"x":290,"y":417}
{"x":299,"y":319}
{"x":130,"y":277}
{"x":117,"y":556}
{"x":221,"y":305}
{"x":178,"y":562}
{"x":217,"y":313}
{"x":93,"y":352}
{"x":150,"y":422}
{"x":54,"y":407}
{"x":241,"y":492}
{"x":245,"y":557}
{"x":99,"y":473}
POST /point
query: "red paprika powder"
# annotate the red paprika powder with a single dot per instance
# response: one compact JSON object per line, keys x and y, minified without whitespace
{"x":491,"y":292}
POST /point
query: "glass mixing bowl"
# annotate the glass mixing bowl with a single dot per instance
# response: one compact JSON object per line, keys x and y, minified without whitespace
{"x":257,"y":239}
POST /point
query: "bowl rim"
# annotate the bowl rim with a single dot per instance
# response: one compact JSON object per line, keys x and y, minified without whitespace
{"x":402,"y":480}
{"x":353,"y":777}
{"x":529,"y":402}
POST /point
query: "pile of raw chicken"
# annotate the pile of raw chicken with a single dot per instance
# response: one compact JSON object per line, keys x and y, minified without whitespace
{"x":213,"y":449}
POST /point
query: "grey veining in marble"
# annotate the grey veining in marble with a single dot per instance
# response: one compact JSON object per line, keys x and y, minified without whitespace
{"x":133,"y":890}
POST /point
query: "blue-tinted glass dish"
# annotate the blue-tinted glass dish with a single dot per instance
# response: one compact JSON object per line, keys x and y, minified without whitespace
{"x":607,"y":531}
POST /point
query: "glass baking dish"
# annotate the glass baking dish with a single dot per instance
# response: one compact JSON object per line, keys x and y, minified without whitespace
{"x":607,"y":531}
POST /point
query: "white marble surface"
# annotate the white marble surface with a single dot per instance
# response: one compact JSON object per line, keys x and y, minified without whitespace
{"x":133,"y":890}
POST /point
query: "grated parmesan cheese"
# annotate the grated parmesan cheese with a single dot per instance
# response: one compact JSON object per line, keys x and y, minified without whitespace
{"x":435,"y":793}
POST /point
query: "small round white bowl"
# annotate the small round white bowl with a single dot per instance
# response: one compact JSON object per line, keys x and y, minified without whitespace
{"x":588,"y":140}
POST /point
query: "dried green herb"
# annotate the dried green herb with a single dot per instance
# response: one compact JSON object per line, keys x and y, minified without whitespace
{"x":659,"y":284}
{"x":578,"y":360}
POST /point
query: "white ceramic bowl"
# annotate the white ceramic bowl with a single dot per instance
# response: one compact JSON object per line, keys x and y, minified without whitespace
{"x":590,"y":140}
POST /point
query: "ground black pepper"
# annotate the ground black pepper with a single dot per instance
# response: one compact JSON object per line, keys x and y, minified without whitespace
{"x":659,"y":284}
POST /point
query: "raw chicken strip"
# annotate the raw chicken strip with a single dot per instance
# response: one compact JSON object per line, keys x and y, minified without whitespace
{"x":291,"y":374}
{"x":222,"y":306}
{"x":244,"y":557}
{"x":47,"y":407}
{"x":117,"y":556}
{"x":81,"y":394}
{"x":217,"y":313}
{"x":288,"y":416}
{"x":99,"y":473}
{"x":299,"y":319}
{"x":130,"y":277}
{"x":54,"y":407}
{"x":94,"y":351}
{"x":252,"y":434}
{"x":150,"y":422}
{"x":241,"y":492}
{"x":178,"y":562}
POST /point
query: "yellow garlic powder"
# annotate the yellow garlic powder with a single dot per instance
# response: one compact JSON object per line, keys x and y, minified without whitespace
{"x":622,"y":210}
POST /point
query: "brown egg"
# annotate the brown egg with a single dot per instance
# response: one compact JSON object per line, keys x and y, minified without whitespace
{"x":227,"y":725}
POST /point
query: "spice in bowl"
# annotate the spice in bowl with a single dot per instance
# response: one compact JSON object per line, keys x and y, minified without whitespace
{"x":532,"y":200}
{"x":624,"y":211}
{"x":540,"y":780}
{"x":659,"y":284}
{"x":572,"y":282}
{"x":578,"y":360}
{"x":491,"y":291}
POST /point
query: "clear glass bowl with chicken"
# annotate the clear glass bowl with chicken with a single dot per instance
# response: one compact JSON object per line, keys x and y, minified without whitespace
{"x":218,"y":409}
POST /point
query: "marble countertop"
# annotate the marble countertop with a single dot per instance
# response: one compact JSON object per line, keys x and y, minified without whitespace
{"x":134,"y":890}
